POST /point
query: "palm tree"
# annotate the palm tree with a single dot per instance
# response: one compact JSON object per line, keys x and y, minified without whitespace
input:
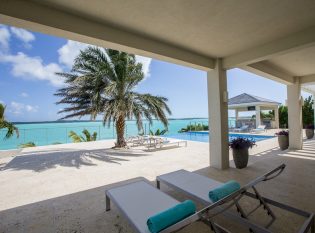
{"x":4,"y":124}
{"x":103,"y":81}
{"x":88,"y":137}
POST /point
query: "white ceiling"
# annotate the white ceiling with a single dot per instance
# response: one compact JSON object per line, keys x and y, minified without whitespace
{"x":273,"y":38}
{"x":215,"y":28}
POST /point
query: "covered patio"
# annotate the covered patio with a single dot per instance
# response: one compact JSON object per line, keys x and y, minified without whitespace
{"x":275,"y":40}
{"x":282,"y":51}
{"x":250,"y":103}
{"x":61,"y":188}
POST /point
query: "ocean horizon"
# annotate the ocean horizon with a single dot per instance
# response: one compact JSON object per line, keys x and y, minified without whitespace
{"x":71,"y":121}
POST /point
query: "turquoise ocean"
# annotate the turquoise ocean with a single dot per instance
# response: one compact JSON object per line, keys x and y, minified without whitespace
{"x":48,"y":133}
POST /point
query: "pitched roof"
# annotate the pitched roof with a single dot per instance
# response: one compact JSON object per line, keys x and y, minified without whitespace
{"x":246,"y":99}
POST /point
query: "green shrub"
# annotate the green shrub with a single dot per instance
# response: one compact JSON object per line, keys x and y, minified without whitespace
{"x":194,"y":127}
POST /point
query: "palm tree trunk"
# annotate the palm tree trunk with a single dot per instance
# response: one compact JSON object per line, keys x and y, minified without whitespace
{"x":120,"y":130}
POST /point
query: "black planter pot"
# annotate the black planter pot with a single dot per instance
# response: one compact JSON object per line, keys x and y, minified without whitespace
{"x":240,"y":157}
{"x":309,"y":133}
{"x":283,"y":141}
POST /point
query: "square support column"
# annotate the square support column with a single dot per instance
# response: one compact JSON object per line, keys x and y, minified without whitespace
{"x":295,"y":115}
{"x":258,"y":120}
{"x":218,"y":117}
{"x":276,"y":117}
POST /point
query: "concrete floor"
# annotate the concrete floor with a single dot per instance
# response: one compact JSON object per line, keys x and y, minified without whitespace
{"x":61,"y":188}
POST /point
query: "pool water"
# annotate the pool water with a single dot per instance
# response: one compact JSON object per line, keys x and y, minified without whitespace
{"x":204,"y":136}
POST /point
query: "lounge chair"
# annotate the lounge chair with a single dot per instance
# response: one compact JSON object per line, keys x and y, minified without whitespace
{"x":160,"y":142}
{"x":259,"y":129}
{"x":139,"y":200}
{"x":137,"y":140}
{"x":244,"y":128}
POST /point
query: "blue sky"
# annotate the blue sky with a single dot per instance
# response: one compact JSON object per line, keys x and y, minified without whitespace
{"x":29,"y":60}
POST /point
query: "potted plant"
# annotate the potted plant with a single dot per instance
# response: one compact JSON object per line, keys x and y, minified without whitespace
{"x":240,"y":148}
{"x":309,"y":131}
{"x":283,"y":139}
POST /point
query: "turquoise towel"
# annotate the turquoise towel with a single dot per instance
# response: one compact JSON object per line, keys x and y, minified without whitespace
{"x":171,"y":216}
{"x":224,"y":190}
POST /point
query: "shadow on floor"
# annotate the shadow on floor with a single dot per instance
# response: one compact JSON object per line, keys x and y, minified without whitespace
{"x":42,"y":160}
{"x":85,"y":211}
{"x":77,"y":212}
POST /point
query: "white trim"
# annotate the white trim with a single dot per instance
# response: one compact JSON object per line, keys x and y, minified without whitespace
{"x":262,"y":104}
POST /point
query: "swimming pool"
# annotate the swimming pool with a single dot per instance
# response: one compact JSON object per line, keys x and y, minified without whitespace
{"x":204,"y":136}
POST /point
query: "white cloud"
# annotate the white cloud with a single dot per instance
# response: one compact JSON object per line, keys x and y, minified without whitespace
{"x":146,"y":62}
{"x":4,"y":38}
{"x":31,"y":108}
{"x":24,"y":94}
{"x":18,"y":108}
{"x":69,"y":52}
{"x":33,"y":68}
{"x":23,"y":35}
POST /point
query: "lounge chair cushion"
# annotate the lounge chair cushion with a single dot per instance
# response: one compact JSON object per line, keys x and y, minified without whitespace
{"x":171,"y":216}
{"x":138,"y":201}
{"x":191,"y":183}
{"x":224,"y":190}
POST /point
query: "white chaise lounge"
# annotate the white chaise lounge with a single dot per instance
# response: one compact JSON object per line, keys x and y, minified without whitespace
{"x":138,"y":201}
{"x":160,"y":142}
{"x":259,"y":129}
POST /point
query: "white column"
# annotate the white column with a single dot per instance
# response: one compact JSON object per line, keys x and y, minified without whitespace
{"x":295,"y":115}
{"x":218,"y":117}
{"x":276,"y":117}
{"x":258,"y":121}
{"x":236,"y":117}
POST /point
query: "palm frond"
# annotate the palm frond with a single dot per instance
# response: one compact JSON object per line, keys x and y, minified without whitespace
{"x":11,"y":128}
{"x":75,"y":137}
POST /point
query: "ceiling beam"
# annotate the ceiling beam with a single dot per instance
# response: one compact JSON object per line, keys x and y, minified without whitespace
{"x":300,"y":40}
{"x":41,"y":18}
{"x":307,"y":79}
{"x":268,"y":70}
{"x":306,"y":89}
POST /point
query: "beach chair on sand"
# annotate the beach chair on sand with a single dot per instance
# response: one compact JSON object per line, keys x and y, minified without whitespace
{"x":139,"y":201}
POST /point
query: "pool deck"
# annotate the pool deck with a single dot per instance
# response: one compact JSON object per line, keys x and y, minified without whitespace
{"x":60,"y":188}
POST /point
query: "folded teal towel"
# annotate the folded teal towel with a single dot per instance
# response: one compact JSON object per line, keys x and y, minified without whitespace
{"x":224,"y":190}
{"x":171,"y":216}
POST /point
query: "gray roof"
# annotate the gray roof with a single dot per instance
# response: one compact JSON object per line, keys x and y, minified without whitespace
{"x":247,"y":99}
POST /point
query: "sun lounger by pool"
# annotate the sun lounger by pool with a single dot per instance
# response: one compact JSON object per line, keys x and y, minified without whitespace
{"x":259,"y":129}
{"x":137,"y":140}
{"x":244,"y":128}
{"x":139,"y":201}
{"x":160,"y":142}
{"x":198,"y":187}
